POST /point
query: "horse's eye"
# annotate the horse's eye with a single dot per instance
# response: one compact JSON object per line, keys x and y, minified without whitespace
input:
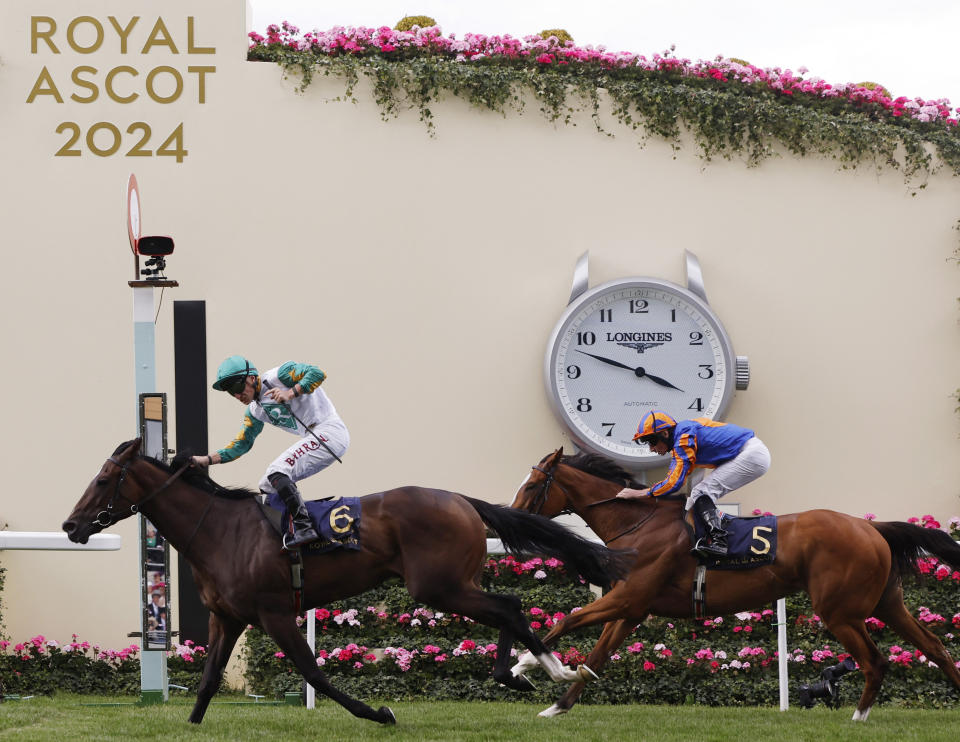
{"x":103,"y":482}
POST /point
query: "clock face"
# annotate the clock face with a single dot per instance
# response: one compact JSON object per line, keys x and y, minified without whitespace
{"x":631,"y":346}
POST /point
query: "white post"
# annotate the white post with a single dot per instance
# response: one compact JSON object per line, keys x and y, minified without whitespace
{"x":153,"y":663}
{"x":782,"y":653}
{"x":312,"y":641}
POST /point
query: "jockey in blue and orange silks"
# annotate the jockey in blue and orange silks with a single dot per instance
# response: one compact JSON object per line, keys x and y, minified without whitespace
{"x":736,"y":454}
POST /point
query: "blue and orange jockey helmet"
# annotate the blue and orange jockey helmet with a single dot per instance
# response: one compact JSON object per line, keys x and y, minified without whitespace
{"x":652,"y":423}
{"x":232,"y":374}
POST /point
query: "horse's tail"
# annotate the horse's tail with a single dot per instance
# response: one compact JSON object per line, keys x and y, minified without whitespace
{"x":525,"y":533}
{"x":908,"y":543}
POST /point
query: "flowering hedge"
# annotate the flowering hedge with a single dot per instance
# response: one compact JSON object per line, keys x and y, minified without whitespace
{"x":382,"y":644}
{"x":729,"y":106}
{"x":42,"y":665}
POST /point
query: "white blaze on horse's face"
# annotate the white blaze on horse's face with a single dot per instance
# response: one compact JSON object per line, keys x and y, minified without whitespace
{"x":520,"y":489}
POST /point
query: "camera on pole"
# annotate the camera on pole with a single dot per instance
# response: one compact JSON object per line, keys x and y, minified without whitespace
{"x":154,"y":248}
{"x":157,"y":248}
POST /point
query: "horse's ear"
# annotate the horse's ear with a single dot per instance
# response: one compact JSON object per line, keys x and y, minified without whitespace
{"x":558,"y":454}
{"x":132,"y":450}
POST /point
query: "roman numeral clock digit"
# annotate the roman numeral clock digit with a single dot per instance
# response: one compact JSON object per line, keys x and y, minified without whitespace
{"x":632,"y":345}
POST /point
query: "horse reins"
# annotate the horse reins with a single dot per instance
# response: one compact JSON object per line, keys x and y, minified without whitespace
{"x":541,"y":498}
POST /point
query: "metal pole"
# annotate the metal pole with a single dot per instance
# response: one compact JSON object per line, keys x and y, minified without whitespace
{"x":312,"y":641}
{"x":153,"y":663}
{"x":782,"y":653}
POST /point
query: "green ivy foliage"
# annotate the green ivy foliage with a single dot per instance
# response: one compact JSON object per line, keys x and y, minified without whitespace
{"x":742,"y":121}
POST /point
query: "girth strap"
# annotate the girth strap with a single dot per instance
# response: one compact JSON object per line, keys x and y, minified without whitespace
{"x":700,"y":592}
{"x":296,"y":579}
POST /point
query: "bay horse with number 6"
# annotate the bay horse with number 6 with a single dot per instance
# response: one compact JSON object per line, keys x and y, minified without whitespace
{"x":851,"y":568}
{"x":432,"y":539}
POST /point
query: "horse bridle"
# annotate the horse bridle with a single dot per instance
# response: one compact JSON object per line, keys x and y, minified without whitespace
{"x":108,"y":517}
{"x":541,"y":498}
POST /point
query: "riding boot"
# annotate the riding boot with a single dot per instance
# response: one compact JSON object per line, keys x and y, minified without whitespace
{"x":303,"y":530}
{"x":714,"y":543}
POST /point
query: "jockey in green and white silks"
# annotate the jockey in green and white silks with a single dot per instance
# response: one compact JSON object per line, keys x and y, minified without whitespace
{"x":313,"y":407}
{"x":288,"y":397}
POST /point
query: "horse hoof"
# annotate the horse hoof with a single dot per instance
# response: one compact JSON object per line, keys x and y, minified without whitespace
{"x":525,"y":683}
{"x":586,"y":674}
{"x":552,"y":711}
{"x":386,"y":715}
{"x":514,"y":682}
{"x":521,"y":683}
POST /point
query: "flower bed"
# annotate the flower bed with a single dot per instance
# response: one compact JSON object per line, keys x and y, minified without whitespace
{"x":729,"y":106}
{"x":42,"y":665}
{"x":382,"y":644}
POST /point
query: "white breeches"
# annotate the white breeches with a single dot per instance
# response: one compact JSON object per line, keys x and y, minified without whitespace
{"x":307,"y":456}
{"x":752,"y":462}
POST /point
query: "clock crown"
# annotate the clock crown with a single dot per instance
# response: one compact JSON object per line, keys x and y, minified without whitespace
{"x":742,"y":372}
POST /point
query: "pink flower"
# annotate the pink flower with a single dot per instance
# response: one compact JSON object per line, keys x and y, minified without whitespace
{"x":648,"y":666}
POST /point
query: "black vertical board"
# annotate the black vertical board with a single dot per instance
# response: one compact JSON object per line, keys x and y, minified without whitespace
{"x":190,"y":378}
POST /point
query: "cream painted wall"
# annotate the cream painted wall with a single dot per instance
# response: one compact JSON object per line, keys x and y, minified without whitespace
{"x":424,"y":275}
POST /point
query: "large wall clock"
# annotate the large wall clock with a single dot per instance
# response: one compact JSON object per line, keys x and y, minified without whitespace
{"x":632,"y":345}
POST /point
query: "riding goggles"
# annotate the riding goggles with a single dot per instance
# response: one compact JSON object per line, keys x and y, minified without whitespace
{"x":234,"y":384}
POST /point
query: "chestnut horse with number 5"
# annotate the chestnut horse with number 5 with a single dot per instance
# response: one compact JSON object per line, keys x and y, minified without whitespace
{"x":851,"y":568}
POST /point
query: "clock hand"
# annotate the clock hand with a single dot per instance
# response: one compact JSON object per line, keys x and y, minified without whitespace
{"x":606,"y":360}
{"x":639,"y":370}
{"x":658,"y":380}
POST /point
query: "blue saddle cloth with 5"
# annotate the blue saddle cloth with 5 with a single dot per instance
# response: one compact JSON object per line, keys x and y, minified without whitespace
{"x":337,"y":522}
{"x":752,"y":542}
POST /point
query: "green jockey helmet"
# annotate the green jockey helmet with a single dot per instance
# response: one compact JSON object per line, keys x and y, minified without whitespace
{"x":233,"y":369}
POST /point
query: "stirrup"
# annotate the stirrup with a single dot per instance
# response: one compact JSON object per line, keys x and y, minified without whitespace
{"x":704,"y":548}
{"x":293,"y":541}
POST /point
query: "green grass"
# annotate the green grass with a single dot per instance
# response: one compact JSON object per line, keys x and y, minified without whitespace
{"x":64,"y":719}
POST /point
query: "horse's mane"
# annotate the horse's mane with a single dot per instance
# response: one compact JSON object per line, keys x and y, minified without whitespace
{"x":602,"y":467}
{"x":194,"y":475}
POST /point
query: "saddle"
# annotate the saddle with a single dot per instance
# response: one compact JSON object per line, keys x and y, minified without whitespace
{"x":751,"y":542}
{"x":337,"y":522}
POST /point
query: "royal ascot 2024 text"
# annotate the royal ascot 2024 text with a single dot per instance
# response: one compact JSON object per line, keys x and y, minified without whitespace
{"x":124,"y":84}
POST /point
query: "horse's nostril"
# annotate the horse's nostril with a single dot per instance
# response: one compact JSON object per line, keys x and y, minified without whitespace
{"x":69,"y":526}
